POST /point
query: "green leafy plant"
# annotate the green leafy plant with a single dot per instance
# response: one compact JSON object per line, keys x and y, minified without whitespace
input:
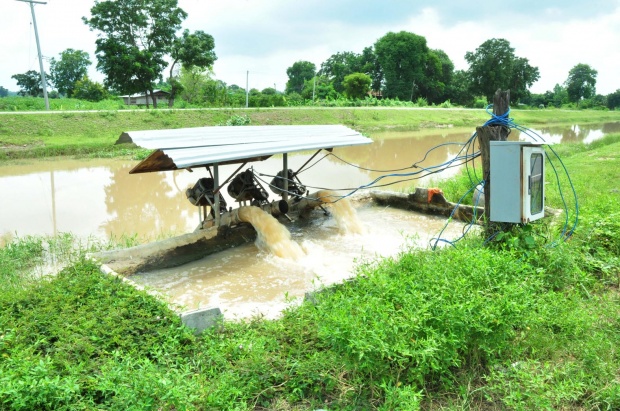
{"x":236,"y":120}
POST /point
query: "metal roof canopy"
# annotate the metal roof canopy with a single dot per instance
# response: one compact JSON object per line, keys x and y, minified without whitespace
{"x":206,"y":146}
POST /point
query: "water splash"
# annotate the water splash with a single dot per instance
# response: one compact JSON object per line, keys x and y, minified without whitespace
{"x":273,"y":237}
{"x":346,"y":217}
{"x":343,"y":211}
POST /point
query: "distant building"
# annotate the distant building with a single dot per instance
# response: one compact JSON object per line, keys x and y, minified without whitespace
{"x":141,"y":99}
{"x":376,"y":94}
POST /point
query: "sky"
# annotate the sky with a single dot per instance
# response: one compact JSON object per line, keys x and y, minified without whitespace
{"x":257,"y":40}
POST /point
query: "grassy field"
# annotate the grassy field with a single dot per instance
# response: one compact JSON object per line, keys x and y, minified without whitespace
{"x":525,"y":322}
{"x":43,"y":134}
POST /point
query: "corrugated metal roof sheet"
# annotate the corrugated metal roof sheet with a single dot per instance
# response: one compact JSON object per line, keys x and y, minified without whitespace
{"x":202,"y":146}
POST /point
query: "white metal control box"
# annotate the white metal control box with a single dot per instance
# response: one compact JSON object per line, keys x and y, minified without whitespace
{"x":517,"y":174}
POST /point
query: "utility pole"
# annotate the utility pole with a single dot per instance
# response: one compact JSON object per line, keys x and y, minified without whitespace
{"x":486,"y":134}
{"x":36,"y":35}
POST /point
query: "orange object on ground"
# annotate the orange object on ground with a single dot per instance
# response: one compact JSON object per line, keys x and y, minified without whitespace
{"x":432,"y":192}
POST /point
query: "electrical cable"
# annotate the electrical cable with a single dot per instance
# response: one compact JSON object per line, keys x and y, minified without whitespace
{"x":505,"y":121}
{"x":459,"y":159}
{"x":455,"y":162}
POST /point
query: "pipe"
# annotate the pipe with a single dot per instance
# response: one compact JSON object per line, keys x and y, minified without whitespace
{"x":276,"y":208}
{"x":230,"y":218}
{"x":314,"y":200}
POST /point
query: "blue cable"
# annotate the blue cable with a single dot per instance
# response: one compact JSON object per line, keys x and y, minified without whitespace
{"x":506,"y":121}
{"x":459,"y":159}
{"x":437,"y":239}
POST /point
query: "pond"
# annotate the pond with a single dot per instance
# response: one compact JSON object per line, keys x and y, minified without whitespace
{"x":99,"y":198}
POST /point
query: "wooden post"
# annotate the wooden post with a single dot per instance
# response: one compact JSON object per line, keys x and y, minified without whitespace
{"x":492,"y":132}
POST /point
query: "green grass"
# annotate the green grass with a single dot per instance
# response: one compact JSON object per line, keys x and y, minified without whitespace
{"x":40,"y":134}
{"x":457,"y":328}
{"x":501,"y":326}
{"x":17,"y":258}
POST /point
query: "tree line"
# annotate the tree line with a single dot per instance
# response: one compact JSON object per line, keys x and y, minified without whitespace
{"x":139,"y":50}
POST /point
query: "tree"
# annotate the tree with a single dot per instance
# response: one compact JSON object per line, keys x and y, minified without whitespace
{"x":135,"y":37}
{"x":299,"y":72}
{"x":581,"y":83}
{"x":458,"y":92}
{"x":29,"y":83}
{"x":3,"y":92}
{"x":85,"y":89}
{"x":338,"y":66}
{"x":191,"y":50}
{"x":560,"y":95}
{"x":402,"y":57}
{"x":318,"y":87}
{"x":216,"y":93}
{"x":72,"y":67}
{"x":439,"y":73}
{"x":369,"y":64}
{"x":613,"y":100}
{"x":494,"y":66}
{"x":522,"y":77}
{"x":193,"y":83}
{"x":356,"y":85}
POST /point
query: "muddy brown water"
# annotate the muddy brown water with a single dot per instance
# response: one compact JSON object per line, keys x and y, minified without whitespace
{"x":246,"y":281}
{"x":99,"y":198}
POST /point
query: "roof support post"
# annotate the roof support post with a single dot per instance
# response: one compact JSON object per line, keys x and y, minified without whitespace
{"x":216,"y":183}
{"x":219,"y":188}
{"x":285,"y":176}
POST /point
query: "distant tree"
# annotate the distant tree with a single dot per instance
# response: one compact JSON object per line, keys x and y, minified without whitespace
{"x":190,"y":50}
{"x":268,"y":97}
{"x":193,"y":83}
{"x":548,"y":98}
{"x":294,"y":99}
{"x":3,"y":92}
{"x":458,"y":91}
{"x":597,"y":101}
{"x":403,"y":57}
{"x":215,"y":93}
{"x":85,"y":89}
{"x":613,"y":100}
{"x":236,"y":95}
{"x":581,"y":83}
{"x":29,"y":83}
{"x":535,"y":100}
{"x":560,"y":96}
{"x":494,"y":66}
{"x":356,"y":85}
{"x":522,"y":78}
{"x":319,"y":87}
{"x":299,"y":72}
{"x":71,"y":67}
{"x":539,"y":100}
{"x":369,"y":64}
{"x":135,"y":37}
{"x":439,"y":73}
{"x":340,"y":65}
